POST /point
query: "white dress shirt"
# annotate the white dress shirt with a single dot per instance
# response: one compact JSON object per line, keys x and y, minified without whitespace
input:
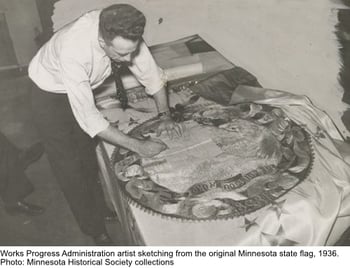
{"x":72,"y":62}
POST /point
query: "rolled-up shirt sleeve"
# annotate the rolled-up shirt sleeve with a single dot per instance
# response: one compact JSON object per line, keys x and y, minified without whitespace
{"x":147,"y":72}
{"x":80,"y":96}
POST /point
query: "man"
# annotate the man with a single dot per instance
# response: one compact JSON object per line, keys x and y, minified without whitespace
{"x":14,"y":184}
{"x":76,"y":60}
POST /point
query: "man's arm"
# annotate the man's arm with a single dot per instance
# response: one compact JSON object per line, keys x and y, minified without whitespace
{"x":90,"y":119}
{"x":161,"y":100}
{"x":153,"y":78}
{"x":145,"y":148}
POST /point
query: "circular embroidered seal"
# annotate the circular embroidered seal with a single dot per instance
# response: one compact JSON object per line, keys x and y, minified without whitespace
{"x":230,"y":161}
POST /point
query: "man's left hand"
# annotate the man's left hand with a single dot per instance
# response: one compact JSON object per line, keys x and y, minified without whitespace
{"x":172,"y":128}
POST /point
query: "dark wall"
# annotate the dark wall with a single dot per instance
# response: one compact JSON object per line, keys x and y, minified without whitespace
{"x":7,"y":52}
{"x":45,"y":9}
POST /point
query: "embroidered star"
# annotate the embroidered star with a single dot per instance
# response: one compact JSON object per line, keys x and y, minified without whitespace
{"x":279,"y":239}
{"x":314,"y":180}
{"x":278,"y":208}
{"x":248,"y":224}
{"x":132,"y":121}
{"x":319,"y":133}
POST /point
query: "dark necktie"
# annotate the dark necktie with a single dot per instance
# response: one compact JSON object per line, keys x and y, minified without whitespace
{"x":121,"y":92}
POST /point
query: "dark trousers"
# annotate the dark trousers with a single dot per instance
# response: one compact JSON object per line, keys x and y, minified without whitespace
{"x":14,"y":184}
{"x":71,"y":153}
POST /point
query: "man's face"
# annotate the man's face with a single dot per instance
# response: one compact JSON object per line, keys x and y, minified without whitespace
{"x":121,"y":49}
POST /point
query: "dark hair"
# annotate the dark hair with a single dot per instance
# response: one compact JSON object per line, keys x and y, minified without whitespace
{"x":121,"y":20}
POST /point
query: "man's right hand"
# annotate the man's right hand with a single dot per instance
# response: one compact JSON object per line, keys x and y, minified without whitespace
{"x":151,"y":147}
{"x":145,"y":148}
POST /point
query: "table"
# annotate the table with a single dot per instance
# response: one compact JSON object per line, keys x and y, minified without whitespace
{"x":316,"y":212}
